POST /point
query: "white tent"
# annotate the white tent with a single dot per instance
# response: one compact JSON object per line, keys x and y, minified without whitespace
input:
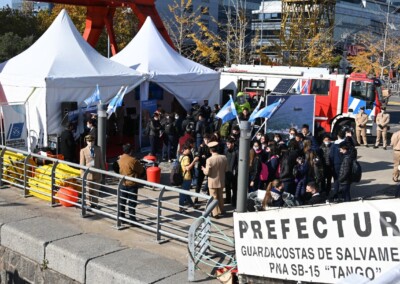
{"x":60,"y":66}
{"x":150,"y":54}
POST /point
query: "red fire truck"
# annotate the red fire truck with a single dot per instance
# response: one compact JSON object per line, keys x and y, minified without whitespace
{"x":338,"y":97}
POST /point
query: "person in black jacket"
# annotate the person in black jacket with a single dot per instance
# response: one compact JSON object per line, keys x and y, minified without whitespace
{"x":203,"y":154}
{"x":255,"y":167}
{"x":324,"y":152}
{"x":67,"y":144}
{"x":155,"y":133}
{"x":345,"y":171}
{"x":232,"y":156}
{"x":200,"y":130}
{"x":316,"y":196}
{"x":287,"y":163}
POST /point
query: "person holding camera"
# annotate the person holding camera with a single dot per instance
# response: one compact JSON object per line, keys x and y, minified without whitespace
{"x":382,"y":121}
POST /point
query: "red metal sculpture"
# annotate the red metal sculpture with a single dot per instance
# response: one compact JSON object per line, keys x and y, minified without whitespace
{"x":100,"y":13}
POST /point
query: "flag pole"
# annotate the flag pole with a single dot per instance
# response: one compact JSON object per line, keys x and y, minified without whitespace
{"x":258,"y":130}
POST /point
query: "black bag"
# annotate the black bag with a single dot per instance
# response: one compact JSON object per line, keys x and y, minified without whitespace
{"x":356,"y":171}
{"x":176,"y":177}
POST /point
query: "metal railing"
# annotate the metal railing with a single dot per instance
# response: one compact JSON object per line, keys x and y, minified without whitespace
{"x":156,"y":206}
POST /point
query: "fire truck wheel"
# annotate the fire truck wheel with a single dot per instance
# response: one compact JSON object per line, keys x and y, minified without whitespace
{"x":342,"y":124}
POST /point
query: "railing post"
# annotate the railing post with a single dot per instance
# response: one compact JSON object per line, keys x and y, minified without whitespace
{"x":53,"y":183}
{"x":159,"y":204}
{"x":192,"y":248}
{"x":83,"y":213}
{"x":25,"y":174}
{"x":119,"y":202}
{"x":2,"y":165}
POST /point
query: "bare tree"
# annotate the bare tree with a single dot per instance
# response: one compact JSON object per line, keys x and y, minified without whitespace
{"x":182,"y":25}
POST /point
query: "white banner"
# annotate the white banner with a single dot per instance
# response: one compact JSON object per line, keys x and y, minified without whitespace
{"x":319,"y":244}
{"x":15,"y":131}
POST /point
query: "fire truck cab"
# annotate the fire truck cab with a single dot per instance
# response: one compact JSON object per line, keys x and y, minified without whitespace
{"x":338,"y":97}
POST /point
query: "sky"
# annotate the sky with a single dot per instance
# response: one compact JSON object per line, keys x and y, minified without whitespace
{"x":5,"y":2}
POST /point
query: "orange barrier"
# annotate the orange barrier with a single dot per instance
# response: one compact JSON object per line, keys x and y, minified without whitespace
{"x":68,"y":196}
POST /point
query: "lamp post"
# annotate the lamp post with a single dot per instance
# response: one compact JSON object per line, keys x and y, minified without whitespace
{"x":385,"y":38}
{"x":262,"y":30}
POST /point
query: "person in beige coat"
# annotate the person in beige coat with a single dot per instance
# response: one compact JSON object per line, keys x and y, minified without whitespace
{"x":382,"y":121}
{"x":395,"y":143}
{"x":215,"y":169}
{"x":361,"y":127}
{"x":91,"y":156}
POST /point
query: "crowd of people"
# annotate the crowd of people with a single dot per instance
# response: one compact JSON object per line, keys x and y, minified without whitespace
{"x":296,"y":162}
{"x":296,"y":166}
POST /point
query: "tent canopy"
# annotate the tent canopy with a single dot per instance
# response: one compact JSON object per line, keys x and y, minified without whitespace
{"x":60,"y":66}
{"x":150,"y":54}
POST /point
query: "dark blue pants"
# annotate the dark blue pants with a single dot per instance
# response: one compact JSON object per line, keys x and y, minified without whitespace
{"x":129,"y":196}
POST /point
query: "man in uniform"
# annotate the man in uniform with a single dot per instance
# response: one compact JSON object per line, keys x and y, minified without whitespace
{"x":361,"y":125}
{"x":395,"y":143}
{"x":215,"y":169}
{"x":382,"y":121}
{"x":91,"y":156}
{"x":131,"y":167}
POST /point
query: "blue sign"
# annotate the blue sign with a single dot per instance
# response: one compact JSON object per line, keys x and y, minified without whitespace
{"x":15,"y":130}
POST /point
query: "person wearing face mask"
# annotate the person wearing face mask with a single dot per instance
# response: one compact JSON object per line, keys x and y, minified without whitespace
{"x":154,"y":135}
{"x":382,"y":121}
{"x":91,"y":125}
{"x":91,"y":156}
{"x":178,"y":124}
{"x":324,"y":152}
{"x":292,"y":134}
{"x":258,"y":136}
{"x":361,"y":124}
{"x":255,"y":167}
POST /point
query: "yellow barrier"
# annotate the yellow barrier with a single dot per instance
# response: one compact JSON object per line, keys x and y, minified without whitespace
{"x":40,"y":184}
{"x":13,"y":167}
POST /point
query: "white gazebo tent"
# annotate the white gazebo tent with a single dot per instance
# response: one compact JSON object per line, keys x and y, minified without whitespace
{"x":187,"y":80}
{"x":60,"y":66}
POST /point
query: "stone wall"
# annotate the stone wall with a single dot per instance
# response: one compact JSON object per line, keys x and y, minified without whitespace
{"x":15,"y":268}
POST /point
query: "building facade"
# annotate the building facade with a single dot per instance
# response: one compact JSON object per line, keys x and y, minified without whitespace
{"x":350,"y":19}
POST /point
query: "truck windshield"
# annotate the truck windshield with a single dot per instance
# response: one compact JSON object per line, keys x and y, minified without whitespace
{"x":363,"y":90}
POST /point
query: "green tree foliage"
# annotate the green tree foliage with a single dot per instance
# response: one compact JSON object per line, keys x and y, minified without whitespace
{"x":18,"y":30}
{"x":12,"y":44}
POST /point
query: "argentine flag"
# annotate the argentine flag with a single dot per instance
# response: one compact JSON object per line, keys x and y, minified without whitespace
{"x":252,"y":118}
{"x":228,"y":112}
{"x":266,"y":112}
{"x":94,"y":98}
{"x":116,"y":101}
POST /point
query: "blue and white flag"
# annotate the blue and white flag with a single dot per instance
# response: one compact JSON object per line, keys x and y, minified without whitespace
{"x":255,"y":111}
{"x":94,"y":98}
{"x":266,"y":112}
{"x":228,"y":112}
{"x":116,"y":101}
